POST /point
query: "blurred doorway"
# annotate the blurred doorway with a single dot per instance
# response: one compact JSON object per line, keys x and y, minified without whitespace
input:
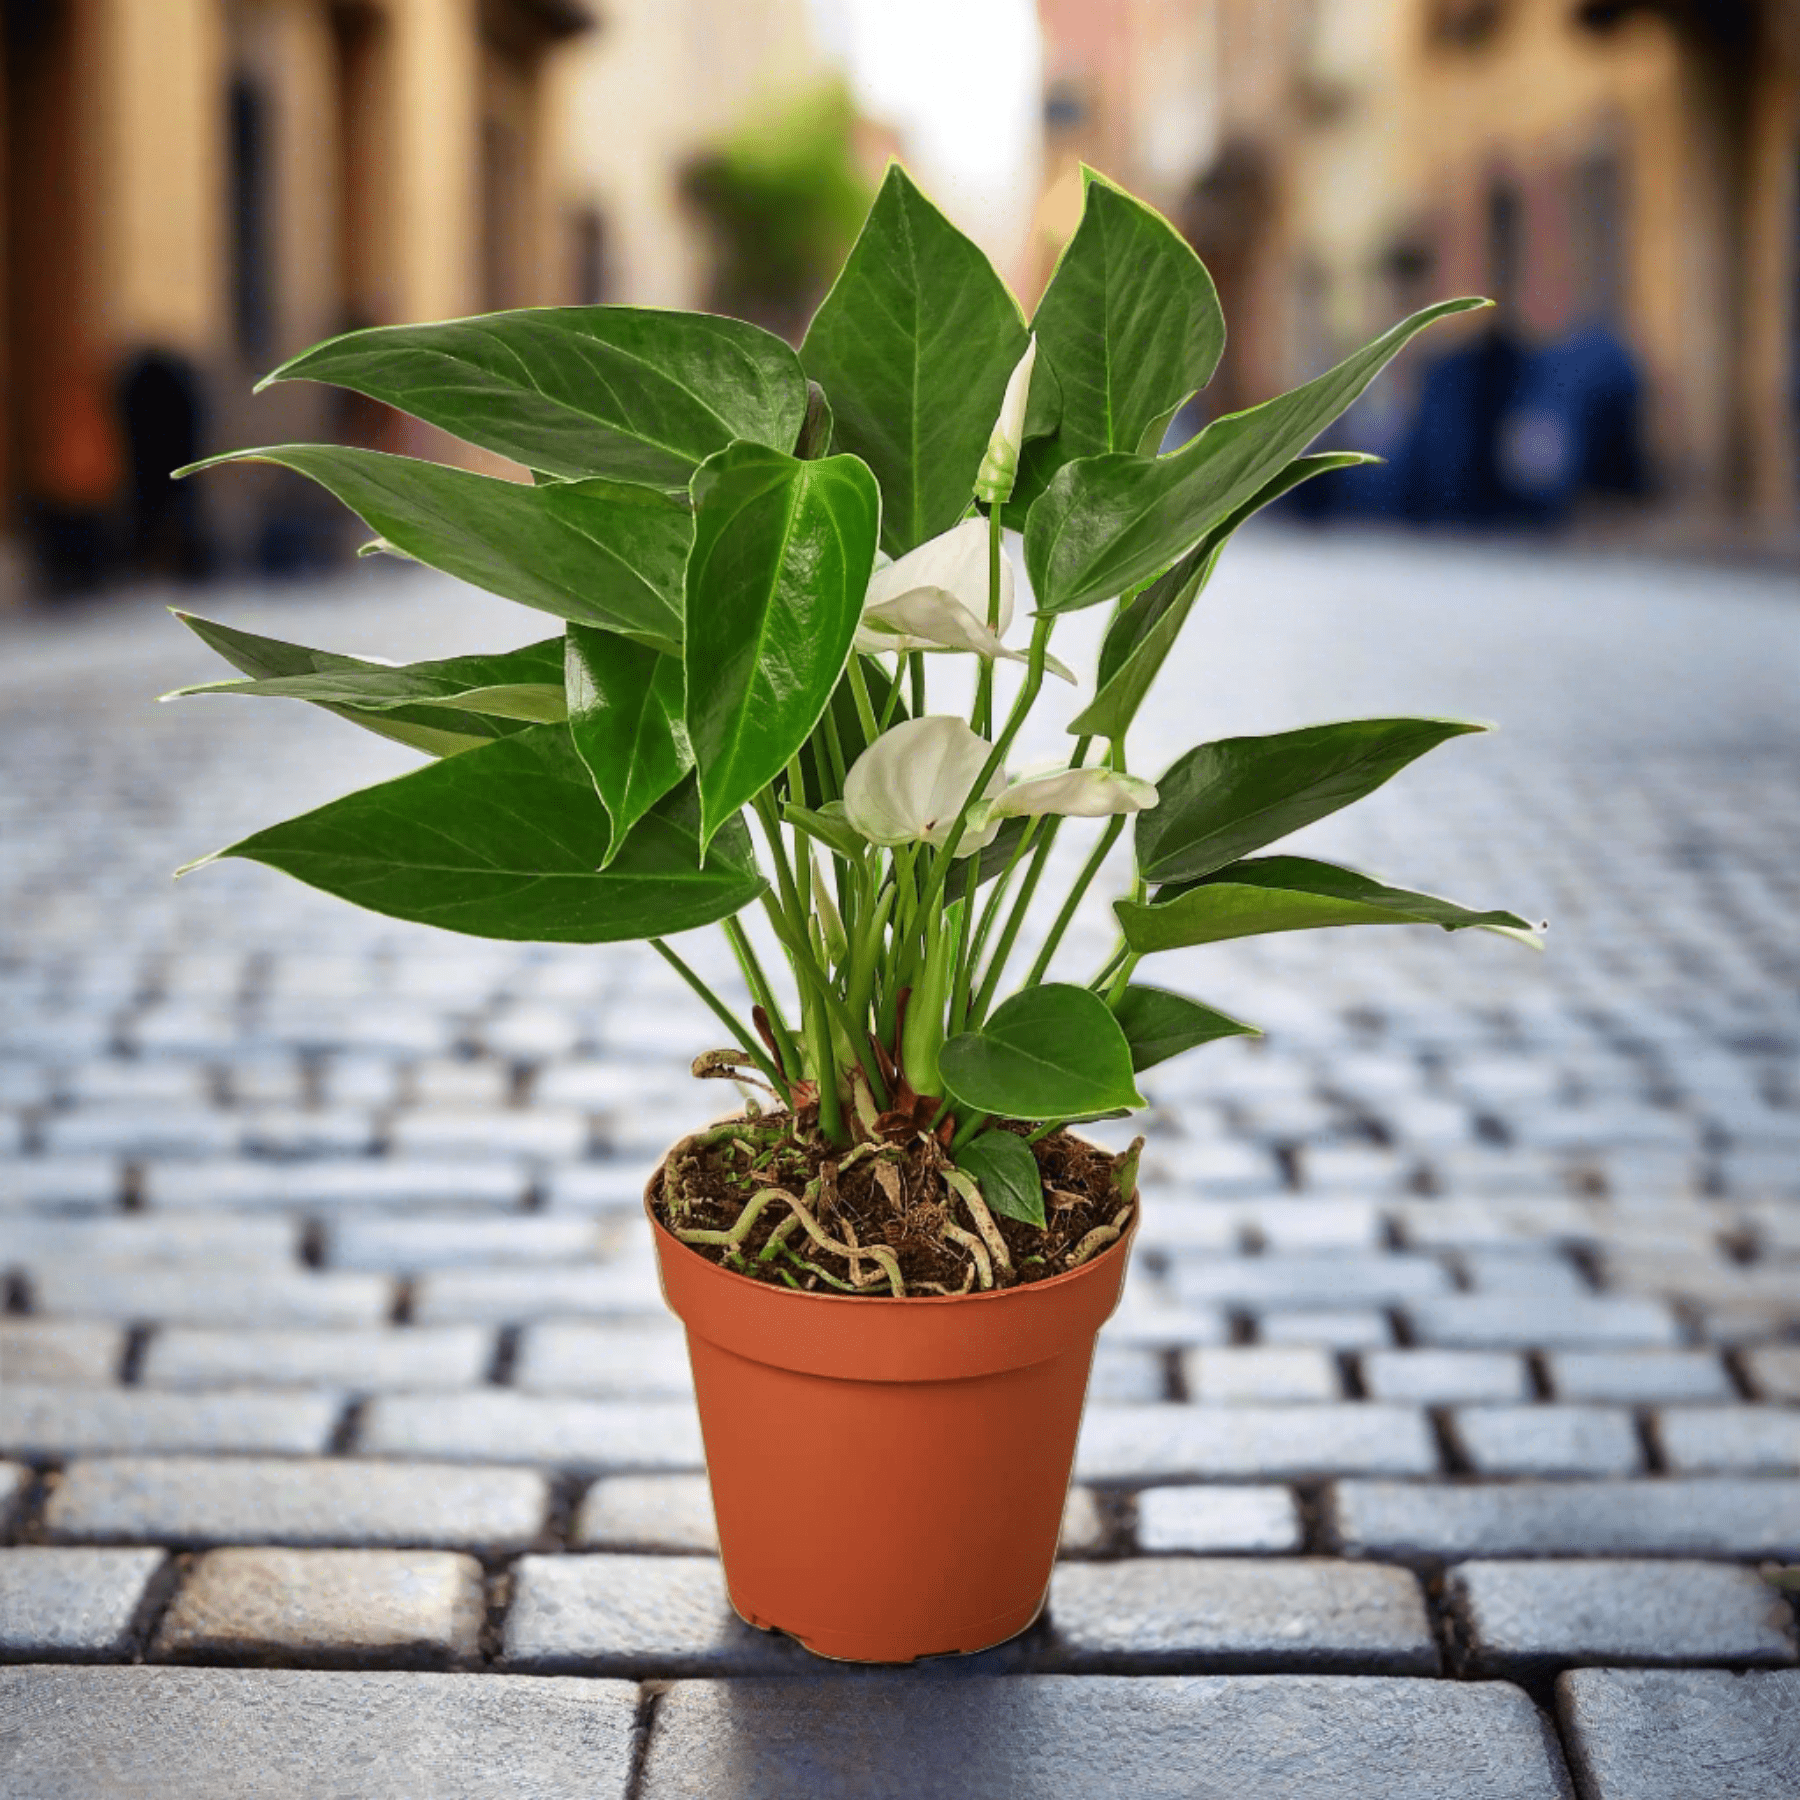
{"x":59,"y":449}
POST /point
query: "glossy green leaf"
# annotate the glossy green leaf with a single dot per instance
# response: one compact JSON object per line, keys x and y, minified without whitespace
{"x":830,"y":827}
{"x":622,"y":391}
{"x":506,"y":842}
{"x":598,"y":552}
{"x":1007,"y":1174}
{"x":1158,"y":1024}
{"x":1131,"y":326}
{"x":782,"y":554}
{"x":1109,"y":522}
{"x":1287,"y":893}
{"x":438,"y":729}
{"x":914,"y":344}
{"x":1223,"y":800}
{"x":1139,"y":640}
{"x":625,"y":720}
{"x":1050,"y":1052}
{"x":521,"y":685}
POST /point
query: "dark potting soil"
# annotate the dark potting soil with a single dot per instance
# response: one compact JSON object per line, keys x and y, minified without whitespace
{"x":891,"y":1193}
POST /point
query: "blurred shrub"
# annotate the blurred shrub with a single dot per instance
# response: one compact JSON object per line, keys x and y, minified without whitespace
{"x":782,"y":198}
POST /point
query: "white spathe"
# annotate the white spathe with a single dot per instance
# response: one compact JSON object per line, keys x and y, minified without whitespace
{"x":910,"y":784}
{"x":1073,"y":794}
{"x":1000,"y":463}
{"x":935,"y":598}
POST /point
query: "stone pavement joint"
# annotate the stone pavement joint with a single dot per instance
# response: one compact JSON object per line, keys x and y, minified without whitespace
{"x":1476,"y":1277}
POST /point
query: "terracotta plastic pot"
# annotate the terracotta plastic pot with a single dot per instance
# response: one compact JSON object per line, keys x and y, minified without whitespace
{"x":888,"y":1475}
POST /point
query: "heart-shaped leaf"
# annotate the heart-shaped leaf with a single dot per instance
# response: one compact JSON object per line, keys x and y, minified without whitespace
{"x":445,"y":727}
{"x":1139,"y":640}
{"x":914,"y":344}
{"x":1130,"y":323}
{"x":622,"y":391}
{"x":1158,"y":1025}
{"x":1050,"y":1052}
{"x":506,"y":842}
{"x":625,"y":720}
{"x":782,"y":553}
{"x":1007,"y":1174}
{"x":1288,"y":893}
{"x":599,"y":552}
{"x":1221,"y":801}
{"x":1108,"y":522}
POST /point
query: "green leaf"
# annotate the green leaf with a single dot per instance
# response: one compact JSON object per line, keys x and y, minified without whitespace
{"x":598,"y":552}
{"x":783,"y":551}
{"x":438,"y":730}
{"x":1050,"y":1052}
{"x":1221,"y":801}
{"x":620,"y":391}
{"x":830,"y":827}
{"x":625,"y":720}
{"x":1007,"y":1174}
{"x":516,"y":685}
{"x":1139,"y":640}
{"x":506,"y":842}
{"x":1287,"y":893}
{"x":1158,"y":1024}
{"x":1109,"y":522}
{"x":1130,"y":323}
{"x":914,"y":344}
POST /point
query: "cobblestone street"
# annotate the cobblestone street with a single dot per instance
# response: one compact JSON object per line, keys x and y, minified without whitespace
{"x":1451,"y":1413}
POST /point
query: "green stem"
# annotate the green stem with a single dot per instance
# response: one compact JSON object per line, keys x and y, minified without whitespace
{"x":891,"y":704}
{"x":816,"y":986}
{"x":746,"y":1039}
{"x":959,"y":986}
{"x":1002,"y":885}
{"x":982,"y":719}
{"x":916,"y":671}
{"x":967,"y":1129}
{"x":1028,"y":693}
{"x":990,"y":981}
{"x":865,"y":710}
{"x":1122,"y":980}
{"x":764,"y":991}
{"x":1083,"y":881}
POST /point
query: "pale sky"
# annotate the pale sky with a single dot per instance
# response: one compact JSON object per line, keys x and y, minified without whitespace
{"x":961,"y":81}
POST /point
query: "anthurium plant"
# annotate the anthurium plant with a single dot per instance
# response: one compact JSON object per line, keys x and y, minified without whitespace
{"x":753,"y":555}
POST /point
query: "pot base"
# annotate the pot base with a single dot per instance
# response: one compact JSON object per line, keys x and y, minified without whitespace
{"x":871,"y":1647}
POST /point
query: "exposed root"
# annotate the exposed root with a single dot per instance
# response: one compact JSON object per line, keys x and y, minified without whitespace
{"x":971,"y":1243}
{"x":1100,"y":1236}
{"x":965,"y":1186}
{"x":1097,"y":1239}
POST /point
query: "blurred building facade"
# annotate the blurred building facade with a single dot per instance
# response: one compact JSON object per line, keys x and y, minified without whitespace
{"x":1622,"y":175}
{"x":195,"y":189}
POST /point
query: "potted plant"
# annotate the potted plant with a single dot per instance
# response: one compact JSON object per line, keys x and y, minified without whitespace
{"x":892,"y":1267}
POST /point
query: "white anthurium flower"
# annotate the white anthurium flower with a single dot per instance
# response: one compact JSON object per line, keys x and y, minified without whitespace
{"x":1000,"y":465}
{"x":910,"y":784}
{"x":935,"y":598}
{"x":1072,"y":794}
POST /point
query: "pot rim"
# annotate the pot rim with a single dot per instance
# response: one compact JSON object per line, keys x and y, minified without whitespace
{"x":1121,"y":1243}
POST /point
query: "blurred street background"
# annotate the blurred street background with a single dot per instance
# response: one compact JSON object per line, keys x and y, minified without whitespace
{"x":197,"y":189}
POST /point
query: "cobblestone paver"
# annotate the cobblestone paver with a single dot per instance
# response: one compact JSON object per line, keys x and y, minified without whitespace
{"x":1461,"y":1354}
